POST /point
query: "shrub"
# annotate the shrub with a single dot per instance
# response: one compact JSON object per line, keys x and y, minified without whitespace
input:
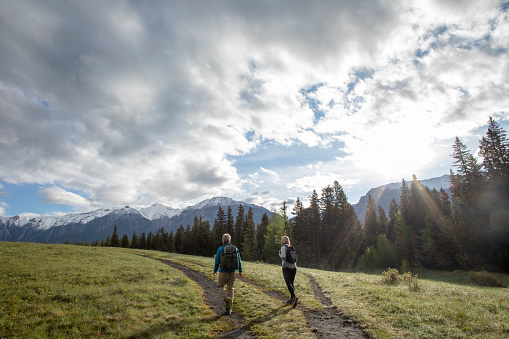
{"x":412,"y":281}
{"x":484,"y":278}
{"x":380,"y":255}
{"x":391,"y":276}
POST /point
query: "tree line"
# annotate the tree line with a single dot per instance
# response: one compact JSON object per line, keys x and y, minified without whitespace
{"x":466,"y":229}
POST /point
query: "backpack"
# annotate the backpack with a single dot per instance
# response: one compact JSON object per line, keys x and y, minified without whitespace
{"x":229,"y":260}
{"x":291,"y":255}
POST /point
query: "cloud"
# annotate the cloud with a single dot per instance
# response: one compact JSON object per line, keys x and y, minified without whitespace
{"x":134,"y":104}
{"x":57,"y":195}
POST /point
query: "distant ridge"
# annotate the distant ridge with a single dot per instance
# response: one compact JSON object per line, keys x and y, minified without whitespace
{"x":99,"y":224}
{"x":385,"y":193}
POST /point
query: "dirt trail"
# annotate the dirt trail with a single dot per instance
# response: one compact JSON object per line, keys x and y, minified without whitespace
{"x":329,"y":323}
{"x":214,"y":300}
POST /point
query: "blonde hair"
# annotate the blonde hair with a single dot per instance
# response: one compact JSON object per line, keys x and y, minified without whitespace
{"x":285,"y":239}
{"x":226,"y":238}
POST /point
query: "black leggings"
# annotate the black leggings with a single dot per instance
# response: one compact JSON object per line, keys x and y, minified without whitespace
{"x":289,"y":275}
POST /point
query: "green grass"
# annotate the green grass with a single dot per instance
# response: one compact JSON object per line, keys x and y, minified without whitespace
{"x":72,"y":291}
{"x":444,"y":308}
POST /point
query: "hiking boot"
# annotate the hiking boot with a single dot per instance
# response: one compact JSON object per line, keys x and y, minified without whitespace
{"x":289,"y":301}
{"x":229,"y":306}
{"x":294,"y":303}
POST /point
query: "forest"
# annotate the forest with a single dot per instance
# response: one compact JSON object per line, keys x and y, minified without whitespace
{"x":467,"y":229}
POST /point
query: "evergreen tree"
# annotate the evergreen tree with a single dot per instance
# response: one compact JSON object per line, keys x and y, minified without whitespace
{"x":171,"y":242}
{"x":150,"y":241}
{"x":125,"y":241}
{"x":135,"y":241}
{"x":250,"y":246}
{"x":188,"y":241}
{"x":314,"y":229}
{"x":404,"y":201}
{"x":329,"y":219}
{"x":143,"y":241}
{"x":115,"y":240}
{"x":346,"y":235}
{"x":230,"y":223}
{"x":382,"y":223}
{"x":494,"y":148}
{"x":240,"y":222}
{"x":261,"y":235}
{"x":179,"y":240}
{"x":370,"y":223}
{"x":298,"y":224}
{"x":220,"y":227}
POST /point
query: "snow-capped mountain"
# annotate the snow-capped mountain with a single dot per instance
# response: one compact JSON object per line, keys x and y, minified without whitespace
{"x":158,"y":211}
{"x":99,"y":224}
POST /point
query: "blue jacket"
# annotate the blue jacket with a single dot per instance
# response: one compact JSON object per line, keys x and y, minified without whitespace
{"x":218,"y":258}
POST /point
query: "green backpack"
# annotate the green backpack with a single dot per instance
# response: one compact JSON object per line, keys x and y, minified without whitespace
{"x":229,"y":260}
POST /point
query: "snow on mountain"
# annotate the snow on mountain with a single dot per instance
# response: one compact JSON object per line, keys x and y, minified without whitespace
{"x":159,"y":211}
{"x":216,"y":201}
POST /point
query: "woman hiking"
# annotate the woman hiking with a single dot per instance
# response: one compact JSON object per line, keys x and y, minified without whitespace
{"x":289,"y":268}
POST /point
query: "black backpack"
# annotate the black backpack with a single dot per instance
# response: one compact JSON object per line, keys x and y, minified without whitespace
{"x":229,"y":260}
{"x":291,"y":255}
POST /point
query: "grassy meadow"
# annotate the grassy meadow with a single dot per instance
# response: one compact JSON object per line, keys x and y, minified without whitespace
{"x":80,"y":291}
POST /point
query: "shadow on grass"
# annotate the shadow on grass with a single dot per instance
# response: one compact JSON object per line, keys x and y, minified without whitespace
{"x":188,"y":328}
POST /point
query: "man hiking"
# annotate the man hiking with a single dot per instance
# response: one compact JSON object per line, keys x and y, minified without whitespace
{"x":288,"y":262}
{"x":227,"y":262}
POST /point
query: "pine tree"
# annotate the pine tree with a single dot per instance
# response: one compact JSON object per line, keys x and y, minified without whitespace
{"x":135,"y":241}
{"x":261,"y":235}
{"x":329,"y":215}
{"x":115,"y":240}
{"x":382,"y":223}
{"x":230,"y":223}
{"x":240,"y":222}
{"x":298,"y":224}
{"x":179,"y":240}
{"x":404,"y":200}
{"x":393,"y":211}
{"x":143,"y":241}
{"x":250,"y":246}
{"x":125,"y":241}
{"x":171,"y":241}
{"x":370,"y":223}
{"x":220,"y":227}
{"x":494,"y":148}
{"x":314,"y":229}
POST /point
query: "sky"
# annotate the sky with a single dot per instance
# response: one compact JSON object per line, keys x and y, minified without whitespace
{"x":105,"y":104}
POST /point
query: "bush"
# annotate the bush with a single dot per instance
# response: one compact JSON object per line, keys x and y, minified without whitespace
{"x":391,"y":276}
{"x":380,"y":255}
{"x":484,"y":278}
{"x":412,"y":281}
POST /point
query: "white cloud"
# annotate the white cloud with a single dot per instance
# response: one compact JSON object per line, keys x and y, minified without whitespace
{"x":132,"y":104}
{"x":57,"y":195}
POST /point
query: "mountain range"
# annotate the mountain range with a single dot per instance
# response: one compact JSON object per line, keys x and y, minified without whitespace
{"x":99,"y":224}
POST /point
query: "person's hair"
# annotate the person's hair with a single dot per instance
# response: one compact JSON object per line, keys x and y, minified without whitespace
{"x":226,"y":238}
{"x":285,"y":239}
